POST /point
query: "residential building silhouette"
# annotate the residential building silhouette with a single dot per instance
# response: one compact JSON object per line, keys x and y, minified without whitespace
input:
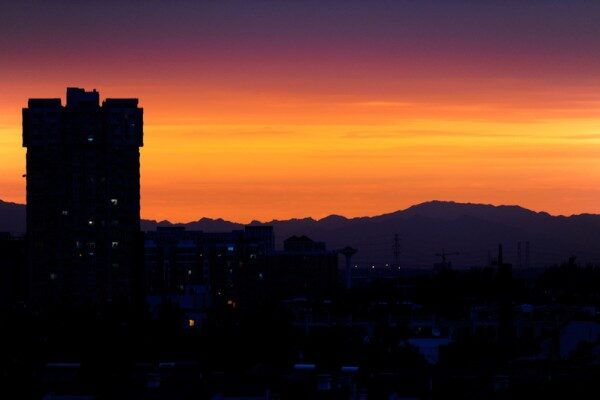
{"x":83,"y":197}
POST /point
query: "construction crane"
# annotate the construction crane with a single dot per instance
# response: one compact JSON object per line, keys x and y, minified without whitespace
{"x":444,"y":263}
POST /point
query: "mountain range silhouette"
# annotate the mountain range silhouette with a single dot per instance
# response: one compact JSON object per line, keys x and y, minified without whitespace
{"x":473,"y":230}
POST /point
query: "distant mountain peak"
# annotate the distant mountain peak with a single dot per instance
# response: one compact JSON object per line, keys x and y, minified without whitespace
{"x":12,"y":217}
{"x":452,"y":209}
{"x":469,"y":228}
{"x":333,"y":218}
{"x":10,"y":203}
{"x":305,"y":219}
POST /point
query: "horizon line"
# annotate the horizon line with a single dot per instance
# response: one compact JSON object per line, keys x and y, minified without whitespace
{"x":467,"y":203}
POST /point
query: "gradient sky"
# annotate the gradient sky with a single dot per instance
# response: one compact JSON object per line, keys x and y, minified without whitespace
{"x":278,"y":109}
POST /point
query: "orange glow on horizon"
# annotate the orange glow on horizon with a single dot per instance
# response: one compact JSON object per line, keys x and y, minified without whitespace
{"x":276,"y":156}
{"x":263,"y":110}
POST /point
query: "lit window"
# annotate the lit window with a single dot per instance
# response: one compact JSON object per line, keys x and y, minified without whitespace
{"x":115,"y":245}
{"x":90,"y":139}
{"x":65,"y":212}
{"x":114,"y":202}
{"x":91,"y":222}
{"x":230,"y":248}
{"x":52,"y":277}
{"x":189,"y":271}
{"x":191,"y":323}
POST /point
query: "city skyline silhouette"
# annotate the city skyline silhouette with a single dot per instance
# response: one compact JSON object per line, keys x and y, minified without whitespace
{"x":290,"y":200}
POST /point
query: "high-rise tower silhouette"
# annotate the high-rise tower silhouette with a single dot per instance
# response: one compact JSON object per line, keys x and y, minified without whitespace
{"x":83,"y":197}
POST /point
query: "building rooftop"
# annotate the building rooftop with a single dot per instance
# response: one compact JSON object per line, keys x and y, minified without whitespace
{"x":120,"y":103}
{"x":78,"y":97}
{"x":44,"y":103}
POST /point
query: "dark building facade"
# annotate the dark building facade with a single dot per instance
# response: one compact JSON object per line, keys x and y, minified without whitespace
{"x":176,"y":259}
{"x":305,"y":268}
{"x":12,"y":279}
{"x":240,"y":269}
{"x":83,"y":197}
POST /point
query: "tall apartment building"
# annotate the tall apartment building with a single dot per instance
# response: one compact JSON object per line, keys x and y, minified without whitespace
{"x":83,"y":197}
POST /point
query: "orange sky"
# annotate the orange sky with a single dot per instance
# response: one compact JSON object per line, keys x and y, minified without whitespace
{"x":278,"y":122}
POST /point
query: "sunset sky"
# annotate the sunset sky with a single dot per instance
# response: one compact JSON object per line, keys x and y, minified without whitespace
{"x":279,"y":109}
